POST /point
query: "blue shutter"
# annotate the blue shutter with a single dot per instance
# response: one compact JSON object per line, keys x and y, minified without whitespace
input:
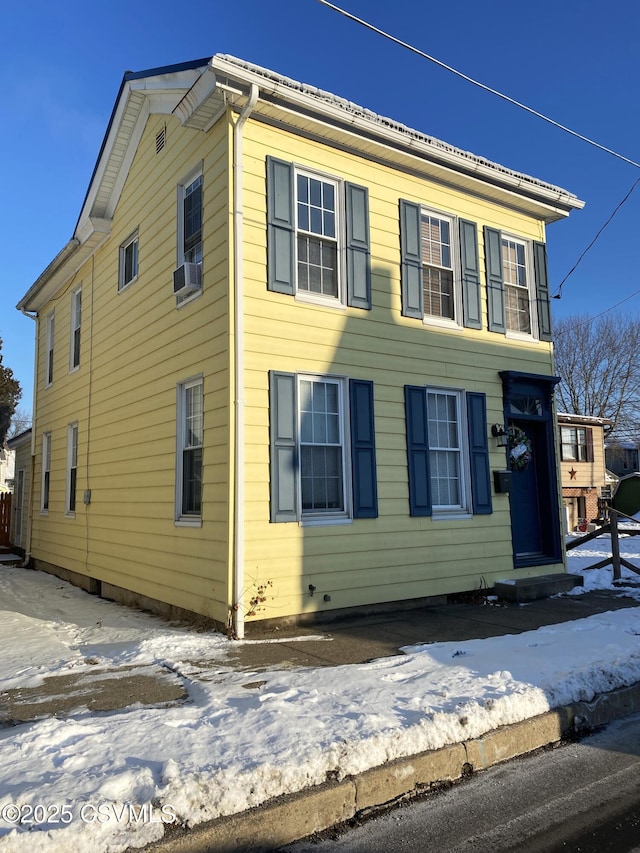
{"x":280,"y":227}
{"x":479,"y":453}
{"x":358,"y":248}
{"x":542,"y":290}
{"x":363,"y":449}
{"x":495,"y":282}
{"x":284,"y":456}
{"x":411,"y":260}
{"x":415,"y":399}
{"x":471,"y":303}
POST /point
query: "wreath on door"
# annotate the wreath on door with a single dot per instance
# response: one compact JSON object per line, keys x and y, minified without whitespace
{"x":519,"y":449}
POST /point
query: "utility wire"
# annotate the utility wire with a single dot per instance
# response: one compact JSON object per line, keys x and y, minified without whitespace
{"x":558,"y":295}
{"x":478,"y":84}
{"x":522,"y":106}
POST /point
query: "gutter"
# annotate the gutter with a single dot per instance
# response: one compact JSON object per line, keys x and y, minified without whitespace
{"x":238,"y":358}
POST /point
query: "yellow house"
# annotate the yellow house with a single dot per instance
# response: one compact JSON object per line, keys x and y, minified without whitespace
{"x":278,"y":357}
{"x":583,"y":472}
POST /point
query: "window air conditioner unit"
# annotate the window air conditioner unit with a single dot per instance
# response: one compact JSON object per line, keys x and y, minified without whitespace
{"x":187,"y":279}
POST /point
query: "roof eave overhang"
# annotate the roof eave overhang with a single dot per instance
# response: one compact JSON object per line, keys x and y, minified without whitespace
{"x":376,"y":137}
{"x":140,"y":96}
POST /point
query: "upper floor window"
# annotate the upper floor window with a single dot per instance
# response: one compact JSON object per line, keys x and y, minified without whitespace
{"x":318,"y":237}
{"x":190,"y":226}
{"x":50,"y":331}
{"x":517,"y":285}
{"x":576,"y":444}
{"x":517,"y":297}
{"x":128,"y":261}
{"x":76,"y":319}
{"x":437,"y":266}
{"x":440,"y":279}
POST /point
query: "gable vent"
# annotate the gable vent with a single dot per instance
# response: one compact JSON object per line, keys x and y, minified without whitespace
{"x":161,"y":140}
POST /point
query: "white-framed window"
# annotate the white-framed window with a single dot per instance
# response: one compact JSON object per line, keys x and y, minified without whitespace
{"x":190,"y":437}
{"x":46,"y":472}
{"x":576,"y":444}
{"x":76,"y":320}
{"x":128,"y":261}
{"x":518,"y":279}
{"x":318,"y":231}
{"x":72,"y":469}
{"x":439,"y":265}
{"x":50,"y":334}
{"x":448,"y":458}
{"x":323,"y":470}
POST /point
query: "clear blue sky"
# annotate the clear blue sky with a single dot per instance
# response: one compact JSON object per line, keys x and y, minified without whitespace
{"x":574,"y":60}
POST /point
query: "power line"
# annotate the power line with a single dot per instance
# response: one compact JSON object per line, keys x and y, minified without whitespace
{"x":558,"y":295}
{"x":527,"y":109}
{"x":477,"y":83}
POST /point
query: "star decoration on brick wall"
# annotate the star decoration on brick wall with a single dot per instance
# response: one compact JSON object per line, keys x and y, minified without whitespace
{"x":572,"y":474}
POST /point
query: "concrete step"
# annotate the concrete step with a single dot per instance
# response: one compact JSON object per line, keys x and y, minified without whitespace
{"x":521,"y":590}
{"x":7,"y":558}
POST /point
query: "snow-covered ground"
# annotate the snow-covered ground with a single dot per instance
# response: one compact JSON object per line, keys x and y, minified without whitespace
{"x":107,"y":781}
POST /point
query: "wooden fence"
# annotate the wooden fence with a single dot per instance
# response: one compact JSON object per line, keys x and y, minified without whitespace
{"x":615,"y":559}
{"x":5,"y":518}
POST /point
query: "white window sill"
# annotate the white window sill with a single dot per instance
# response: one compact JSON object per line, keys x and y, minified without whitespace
{"x":188,"y":522}
{"x":188,"y":299}
{"x":324,"y":521}
{"x":317,"y":299}
{"x":454,"y":515}
{"x":521,"y":336}
{"x":127,"y":285}
{"x":74,"y":369}
{"x":441,"y":323}
{"x":44,"y":512}
{"x":69,"y":515}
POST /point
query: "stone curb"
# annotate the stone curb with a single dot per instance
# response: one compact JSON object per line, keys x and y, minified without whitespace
{"x":288,"y":818}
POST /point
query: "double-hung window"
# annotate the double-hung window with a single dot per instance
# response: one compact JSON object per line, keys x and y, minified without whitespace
{"x":517,"y":298}
{"x":317,"y":236}
{"x":517,"y":285}
{"x":438,"y":266}
{"x":447,"y":452}
{"x":46,"y":472}
{"x":72,"y":468}
{"x":190,"y":229}
{"x":576,"y":444}
{"x":322,"y":448}
{"x":76,"y":319}
{"x":440,"y":279}
{"x":447,"y":457}
{"x":190,"y":437}
{"x":321,"y":431}
{"x":50,"y":332}
{"x":128,"y":261}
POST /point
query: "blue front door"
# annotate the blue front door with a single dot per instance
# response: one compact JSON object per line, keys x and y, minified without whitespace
{"x":528,"y":516}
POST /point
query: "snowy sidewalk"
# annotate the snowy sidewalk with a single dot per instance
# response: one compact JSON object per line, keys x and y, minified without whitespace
{"x":105,"y":781}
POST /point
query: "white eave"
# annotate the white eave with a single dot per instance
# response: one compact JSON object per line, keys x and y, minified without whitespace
{"x":197,"y":92}
{"x":567,"y":418}
{"x":334,"y":119}
{"x":139,"y":97}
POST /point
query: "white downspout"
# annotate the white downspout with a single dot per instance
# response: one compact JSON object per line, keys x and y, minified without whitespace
{"x":239,"y":401}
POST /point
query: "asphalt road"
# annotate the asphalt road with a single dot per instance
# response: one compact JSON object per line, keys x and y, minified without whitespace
{"x":580,"y":797}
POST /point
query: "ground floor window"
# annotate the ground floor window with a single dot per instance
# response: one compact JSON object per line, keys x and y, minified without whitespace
{"x":190,"y":438}
{"x":72,"y":468}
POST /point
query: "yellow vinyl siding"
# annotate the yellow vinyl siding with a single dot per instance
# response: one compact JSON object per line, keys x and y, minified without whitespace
{"x":140,"y":347}
{"x":394,"y":556}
